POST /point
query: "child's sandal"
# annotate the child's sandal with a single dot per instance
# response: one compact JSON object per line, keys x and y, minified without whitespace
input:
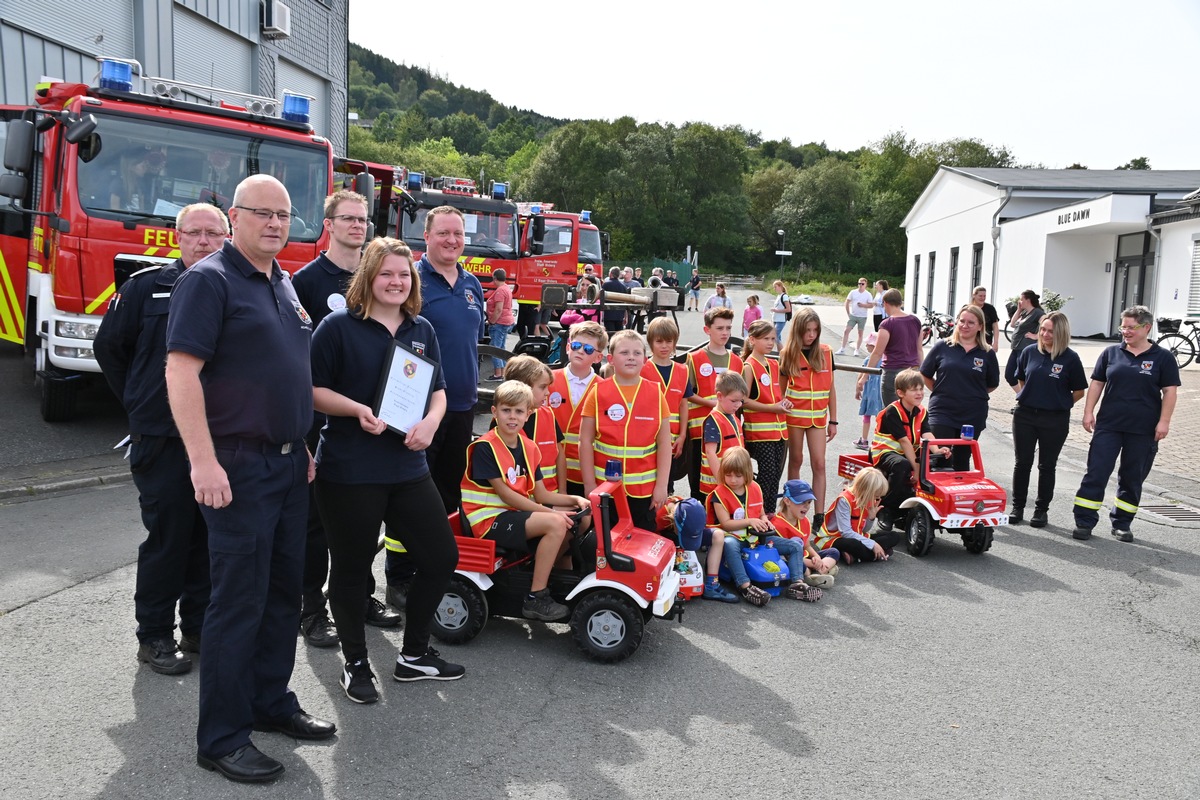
{"x":754,"y":595}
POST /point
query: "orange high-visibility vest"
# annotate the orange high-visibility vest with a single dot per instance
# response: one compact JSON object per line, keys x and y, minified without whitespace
{"x":628,"y":432}
{"x":569,"y":419}
{"x":765,"y":426}
{"x":826,"y":537}
{"x":480,"y":502}
{"x":731,"y":436}
{"x":706,"y":386}
{"x":545,"y":437}
{"x":673,"y":389}
{"x":809,"y":392}
{"x":790,"y":531}
{"x":751,"y":508}
{"x":884,"y":443}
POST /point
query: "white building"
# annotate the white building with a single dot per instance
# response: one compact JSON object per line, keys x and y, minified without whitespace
{"x":1107,"y":238}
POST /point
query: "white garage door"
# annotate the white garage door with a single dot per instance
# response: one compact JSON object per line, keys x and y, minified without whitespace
{"x":291,"y":78}
{"x":209,"y":55}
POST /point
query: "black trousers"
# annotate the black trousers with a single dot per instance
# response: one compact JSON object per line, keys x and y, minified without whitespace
{"x":770,"y":457}
{"x":1045,"y":431}
{"x":1137,"y":452}
{"x":447,"y":459}
{"x":899,"y":474}
{"x":961,"y":455}
{"x":887,"y":540}
{"x":316,"y":549}
{"x":353,"y":514}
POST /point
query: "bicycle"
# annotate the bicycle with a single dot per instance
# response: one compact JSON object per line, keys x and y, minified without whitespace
{"x":1183,"y":346}
{"x":943,"y":324}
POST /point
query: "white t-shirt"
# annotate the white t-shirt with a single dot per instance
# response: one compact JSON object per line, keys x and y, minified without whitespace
{"x":779,"y":309}
{"x":860,"y":296}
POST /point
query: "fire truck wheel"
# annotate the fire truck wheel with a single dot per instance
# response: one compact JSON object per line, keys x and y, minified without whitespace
{"x":920,"y":531}
{"x":977,"y":540}
{"x":607,"y":626}
{"x":462,"y":613}
{"x":57,"y":400}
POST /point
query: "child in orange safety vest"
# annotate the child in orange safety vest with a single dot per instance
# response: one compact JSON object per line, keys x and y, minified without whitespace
{"x":704,"y":367}
{"x":568,"y":388}
{"x":542,"y":427}
{"x":820,"y":567}
{"x":765,"y":409}
{"x":722,"y":429}
{"x":849,"y":518}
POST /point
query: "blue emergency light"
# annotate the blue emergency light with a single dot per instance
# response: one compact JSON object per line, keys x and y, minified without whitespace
{"x":535,"y":209}
{"x":415,"y":181}
{"x":499,"y":190}
{"x":296,"y":107}
{"x":585,"y":216}
{"x":116,"y":75}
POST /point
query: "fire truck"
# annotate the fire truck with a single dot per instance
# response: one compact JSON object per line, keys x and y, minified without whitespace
{"x":97,"y":176}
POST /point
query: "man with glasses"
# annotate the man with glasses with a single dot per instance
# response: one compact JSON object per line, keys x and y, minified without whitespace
{"x":859,"y":304}
{"x":239,"y":383}
{"x":131,"y":348}
{"x":321,"y":286}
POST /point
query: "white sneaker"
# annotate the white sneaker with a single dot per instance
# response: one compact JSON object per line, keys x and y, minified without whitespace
{"x":841,"y":351}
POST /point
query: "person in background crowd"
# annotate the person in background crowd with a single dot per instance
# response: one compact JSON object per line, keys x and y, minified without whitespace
{"x":751,"y":313}
{"x":991,"y":320}
{"x":870,"y":397}
{"x":452,"y":301}
{"x":781,"y":311}
{"x":858,"y":305}
{"x":240,"y":389}
{"x":1050,"y":379}
{"x":960,"y":372}
{"x":693,"y":287}
{"x":500,"y":319}
{"x":897,"y":347}
{"x":670,"y":280}
{"x":719,"y":300}
{"x":1025,"y":325}
{"x":881,"y":286}
{"x":1140,"y":383}
{"x":614,"y":318}
{"x":628,"y":281}
{"x":321,"y":286}
{"x":367,"y":475}
{"x":131,"y":348}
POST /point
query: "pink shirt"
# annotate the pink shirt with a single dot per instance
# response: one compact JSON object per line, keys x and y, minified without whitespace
{"x":751,"y":315}
{"x":499,"y":306}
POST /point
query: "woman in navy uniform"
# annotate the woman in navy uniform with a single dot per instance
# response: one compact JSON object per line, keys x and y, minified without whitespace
{"x":368,"y":475}
{"x":1140,"y":381}
{"x":1050,"y":379}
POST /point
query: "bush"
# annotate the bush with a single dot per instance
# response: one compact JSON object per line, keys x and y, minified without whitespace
{"x":1050,"y":300}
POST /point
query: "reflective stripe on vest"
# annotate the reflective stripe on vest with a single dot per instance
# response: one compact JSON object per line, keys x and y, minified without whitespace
{"x":706,"y":386}
{"x":480,"y":502}
{"x":628,"y":431}
{"x":883,"y":443}
{"x":731,"y":436}
{"x":570,"y":418}
{"x":809,"y":392}
{"x":546,"y":440}
{"x":672,"y":390}
{"x":826,"y":537}
{"x":751,"y":509}
{"x":765,"y":426}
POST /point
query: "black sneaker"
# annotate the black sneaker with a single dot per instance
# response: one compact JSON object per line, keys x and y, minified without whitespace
{"x":1016,"y":516}
{"x":164,"y":657}
{"x":359,"y":682}
{"x":318,"y":630}
{"x":397,"y":595}
{"x":1122,"y":536}
{"x":380,"y":615}
{"x":427,"y":668}
{"x":1082,"y":534}
{"x":190,"y":642}
{"x":540,"y":605}
{"x":884,"y":520}
{"x":1040,"y":519}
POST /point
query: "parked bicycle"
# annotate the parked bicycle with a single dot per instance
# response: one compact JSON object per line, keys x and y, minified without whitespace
{"x":1183,"y":346}
{"x":935,"y":323}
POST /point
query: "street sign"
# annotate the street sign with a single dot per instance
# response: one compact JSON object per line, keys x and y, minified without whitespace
{"x":783,"y":252}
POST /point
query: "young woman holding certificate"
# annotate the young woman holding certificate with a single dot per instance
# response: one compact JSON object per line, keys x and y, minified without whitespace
{"x":368,"y":475}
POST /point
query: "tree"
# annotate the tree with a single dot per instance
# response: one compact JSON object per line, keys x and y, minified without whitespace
{"x":819,"y":210}
{"x":433,"y":103}
{"x":1077,"y":165}
{"x":385,"y":128}
{"x":763,"y":190}
{"x":413,"y":126}
{"x":1138,"y":163}
{"x":468,"y":133}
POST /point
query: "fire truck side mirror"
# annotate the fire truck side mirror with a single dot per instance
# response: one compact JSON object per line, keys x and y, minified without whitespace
{"x":18,"y":150}
{"x":605,"y":246}
{"x":537,"y":233}
{"x":364,"y":184}
{"x":80,"y":128}
{"x":13,"y":186}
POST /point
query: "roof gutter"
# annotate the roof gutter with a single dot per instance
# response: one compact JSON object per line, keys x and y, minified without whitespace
{"x":996,"y":240}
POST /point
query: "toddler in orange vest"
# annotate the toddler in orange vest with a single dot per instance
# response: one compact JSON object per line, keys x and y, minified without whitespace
{"x":820,"y":567}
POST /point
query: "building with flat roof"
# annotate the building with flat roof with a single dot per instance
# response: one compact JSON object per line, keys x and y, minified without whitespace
{"x":1109,"y":239}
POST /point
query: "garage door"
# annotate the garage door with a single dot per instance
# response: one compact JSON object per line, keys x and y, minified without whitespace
{"x":196,"y":40}
{"x":291,"y":78}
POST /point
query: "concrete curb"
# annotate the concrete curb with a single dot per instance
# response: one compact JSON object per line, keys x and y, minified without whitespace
{"x":16,"y":491}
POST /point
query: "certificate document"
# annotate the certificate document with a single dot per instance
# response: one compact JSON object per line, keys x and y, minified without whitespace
{"x":405,"y":388}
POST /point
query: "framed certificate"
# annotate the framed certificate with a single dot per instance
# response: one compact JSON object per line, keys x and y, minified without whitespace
{"x":405,"y":388}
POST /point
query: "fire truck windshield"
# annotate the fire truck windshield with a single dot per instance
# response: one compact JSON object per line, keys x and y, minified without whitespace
{"x":589,"y":246}
{"x":488,"y":233}
{"x":148,"y":169}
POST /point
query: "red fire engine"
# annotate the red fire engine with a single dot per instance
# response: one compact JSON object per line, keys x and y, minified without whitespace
{"x":98,"y":174}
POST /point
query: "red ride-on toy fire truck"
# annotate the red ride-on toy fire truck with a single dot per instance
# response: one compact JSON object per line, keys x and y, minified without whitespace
{"x":966,"y":503}
{"x":622,"y":576}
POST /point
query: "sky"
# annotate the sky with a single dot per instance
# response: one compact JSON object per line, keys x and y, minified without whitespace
{"x":1097,"y":82}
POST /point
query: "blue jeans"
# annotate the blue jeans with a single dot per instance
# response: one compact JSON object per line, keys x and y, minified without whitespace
{"x":791,"y":549}
{"x":499,"y":335}
{"x":779,"y":334}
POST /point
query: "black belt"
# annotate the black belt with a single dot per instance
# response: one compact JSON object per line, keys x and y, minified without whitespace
{"x":257,"y":445}
{"x":1034,"y":410}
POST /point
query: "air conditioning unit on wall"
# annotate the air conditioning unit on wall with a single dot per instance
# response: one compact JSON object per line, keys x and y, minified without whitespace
{"x":276,"y":20}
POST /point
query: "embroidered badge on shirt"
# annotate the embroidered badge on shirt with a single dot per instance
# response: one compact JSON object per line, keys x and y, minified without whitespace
{"x":302,"y":313}
{"x":1056,"y":370}
{"x":978,"y":364}
{"x":418,"y":348}
{"x":1147,"y":367}
{"x":470,"y":298}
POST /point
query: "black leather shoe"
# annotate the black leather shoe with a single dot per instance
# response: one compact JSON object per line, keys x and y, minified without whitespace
{"x":380,"y":615}
{"x":1016,"y":516}
{"x":1082,"y":534}
{"x":164,"y":657}
{"x":299,"y":726}
{"x":397,"y":595}
{"x":1039,"y":519}
{"x":319,"y":631}
{"x":247,"y":764}
{"x":190,"y":642}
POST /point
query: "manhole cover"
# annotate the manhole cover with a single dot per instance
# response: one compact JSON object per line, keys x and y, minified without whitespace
{"x":1178,"y":513}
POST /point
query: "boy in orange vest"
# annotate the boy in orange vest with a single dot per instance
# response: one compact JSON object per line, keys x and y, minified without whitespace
{"x":568,"y":388}
{"x":722,"y":429}
{"x":504,"y":497}
{"x":704,"y":367}
{"x":541,"y":428}
{"x":672,"y":377}
{"x":627,"y":419}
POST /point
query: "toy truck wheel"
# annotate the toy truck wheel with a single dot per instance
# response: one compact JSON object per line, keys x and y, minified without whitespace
{"x":920,"y":531}
{"x":607,"y":626}
{"x":462,"y":613}
{"x":977,"y":540}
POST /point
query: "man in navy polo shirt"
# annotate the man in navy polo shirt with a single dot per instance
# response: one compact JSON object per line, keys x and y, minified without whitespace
{"x":452,"y":301}
{"x":240,"y":388}
{"x":321,"y":286}
{"x":131,"y":348}
{"x":1139,"y":381}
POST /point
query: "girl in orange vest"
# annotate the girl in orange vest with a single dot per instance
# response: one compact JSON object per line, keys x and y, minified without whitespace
{"x":737,"y":508}
{"x":807,"y":367}
{"x":765,"y":409}
{"x":672,"y":377}
{"x":850,"y":516}
{"x":821,"y":567}
{"x":504,"y":497}
{"x":541,"y":428}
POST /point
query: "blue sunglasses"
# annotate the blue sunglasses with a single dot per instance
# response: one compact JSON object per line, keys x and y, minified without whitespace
{"x":587,"y":348}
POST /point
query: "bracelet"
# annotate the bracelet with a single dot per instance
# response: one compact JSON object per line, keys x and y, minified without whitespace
{"x":832,"y":422}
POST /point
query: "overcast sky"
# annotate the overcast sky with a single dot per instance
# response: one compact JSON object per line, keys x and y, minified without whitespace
{"x":1097,"y":82}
